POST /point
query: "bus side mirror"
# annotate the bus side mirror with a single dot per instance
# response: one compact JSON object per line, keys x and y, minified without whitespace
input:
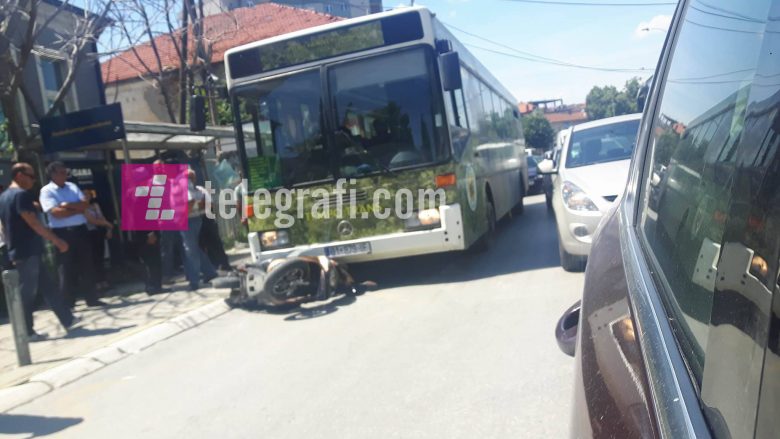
{"x":222,"y":92}
{"x":450,"y":71}
{"x":197,"y":113}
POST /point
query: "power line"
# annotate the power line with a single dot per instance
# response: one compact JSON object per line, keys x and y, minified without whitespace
{"x":727,"y":29}
{"x":567,"y":3}
{"x":730,"y":12}
{"x":731,"y":17}
{"x":562,"y":64}
{"x":528,"y":56}
{"x":465,"y":32}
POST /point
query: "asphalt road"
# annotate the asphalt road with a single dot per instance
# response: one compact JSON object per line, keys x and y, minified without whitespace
{"x":451,"y":346}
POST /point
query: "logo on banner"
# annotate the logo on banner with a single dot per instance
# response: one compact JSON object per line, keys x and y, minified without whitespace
{"x":154,"y":197}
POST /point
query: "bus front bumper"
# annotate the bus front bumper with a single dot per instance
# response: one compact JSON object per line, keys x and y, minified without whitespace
{"x":448,"y":237}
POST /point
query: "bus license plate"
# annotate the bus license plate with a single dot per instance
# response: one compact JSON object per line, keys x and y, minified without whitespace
{"x":357,"y":248}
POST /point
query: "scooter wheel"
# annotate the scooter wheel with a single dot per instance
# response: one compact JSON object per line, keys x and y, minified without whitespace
{"x":289,"y":282}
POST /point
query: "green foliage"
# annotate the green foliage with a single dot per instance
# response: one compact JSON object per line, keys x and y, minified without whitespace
{"x":608,"y":101}
{"x":538,"y":131}
{"x":224,"y":112}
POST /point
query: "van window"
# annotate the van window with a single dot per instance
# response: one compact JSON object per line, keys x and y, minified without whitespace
{"x":710,"y":216}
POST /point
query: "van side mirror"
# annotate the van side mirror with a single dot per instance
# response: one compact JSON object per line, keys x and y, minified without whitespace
{"x":197,"y":113}
{"x":449,"y":64}
{"x":566,"y":329}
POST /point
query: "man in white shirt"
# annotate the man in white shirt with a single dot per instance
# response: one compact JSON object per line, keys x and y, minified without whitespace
{"x":64,"y":205}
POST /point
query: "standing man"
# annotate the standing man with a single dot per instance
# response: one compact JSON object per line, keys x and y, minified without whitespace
{"x":23,"y":233}
{"x":64,"y":204}
{"x":195,"y":259}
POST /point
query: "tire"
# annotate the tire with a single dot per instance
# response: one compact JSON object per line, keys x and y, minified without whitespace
{"x":486,"y":241}
{"x":289,"y":282}
{"x":569,"y":262}
{"x":548,"y":201}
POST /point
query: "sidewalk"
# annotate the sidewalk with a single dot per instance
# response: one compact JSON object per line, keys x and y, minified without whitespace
{"x":129,"y":312}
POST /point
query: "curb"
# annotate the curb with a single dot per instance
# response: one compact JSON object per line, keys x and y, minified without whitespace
{"x":79,"y":367}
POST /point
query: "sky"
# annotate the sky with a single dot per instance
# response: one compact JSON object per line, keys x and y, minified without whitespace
{"x":600,"y":36}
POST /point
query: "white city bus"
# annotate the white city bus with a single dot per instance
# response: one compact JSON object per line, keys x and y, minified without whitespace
{"x":393,"y":101}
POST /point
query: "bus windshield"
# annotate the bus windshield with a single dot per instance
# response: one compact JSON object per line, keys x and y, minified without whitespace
{"x":284,"y":117}
{"x":386,"y":113}
{"x":383,"y":108}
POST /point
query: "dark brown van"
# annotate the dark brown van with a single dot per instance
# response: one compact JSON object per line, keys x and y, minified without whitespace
{"x":678,"y":331}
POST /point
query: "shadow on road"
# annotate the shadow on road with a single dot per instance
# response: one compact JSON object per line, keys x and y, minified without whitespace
{"x":35,"y":426}
{"x":523,"y":243}
{"x":306,"y":311}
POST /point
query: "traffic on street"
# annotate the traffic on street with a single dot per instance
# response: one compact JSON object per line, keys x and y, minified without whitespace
{"x":526,"y":218}
{"x":449,"y":346}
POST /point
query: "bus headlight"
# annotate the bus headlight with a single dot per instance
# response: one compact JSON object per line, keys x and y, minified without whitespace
{"x":274,"y":239}
{"x":424,"y":219}
{"x":576,"y":199}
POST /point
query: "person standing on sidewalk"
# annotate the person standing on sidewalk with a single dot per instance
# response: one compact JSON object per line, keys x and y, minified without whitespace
{"x":23,"y":233}
{"x":99,"y":230}
{"x":147,"y":248}
{"x":64,"y":204}
{"x":195,"y":259}
{"x":209,"y":238}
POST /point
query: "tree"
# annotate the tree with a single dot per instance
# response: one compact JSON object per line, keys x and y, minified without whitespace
{"x":539,"y":133}
{"x":607,"y":101}
{"x":23,"y":23}
{"x":159,"y":25}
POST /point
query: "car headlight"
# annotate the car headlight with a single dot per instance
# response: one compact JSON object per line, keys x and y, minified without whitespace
{"x":274,"y":239}
{"x":575,"y":198}
{"x":424,"y":219}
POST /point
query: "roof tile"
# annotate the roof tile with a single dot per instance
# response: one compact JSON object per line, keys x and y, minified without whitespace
{"x":225,"y":31}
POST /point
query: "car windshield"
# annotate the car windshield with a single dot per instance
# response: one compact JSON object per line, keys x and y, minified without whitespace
{"x":386,"y":114}
{"x":531,"y":162}
{"x":602,"y":144}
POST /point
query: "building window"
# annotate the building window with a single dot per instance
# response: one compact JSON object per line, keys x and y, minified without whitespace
{"x":51,"y":73}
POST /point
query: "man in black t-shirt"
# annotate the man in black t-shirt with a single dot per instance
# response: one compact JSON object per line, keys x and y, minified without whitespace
{"x":23,"y":233}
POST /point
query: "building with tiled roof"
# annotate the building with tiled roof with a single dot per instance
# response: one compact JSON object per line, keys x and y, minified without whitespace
{"x":560,"y":116}
{"x":127,"y":75}
{"x":564,"y":117}
{"x":342,"y":8}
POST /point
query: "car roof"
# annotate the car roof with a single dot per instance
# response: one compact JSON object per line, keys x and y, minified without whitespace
{"x":607,"y":121}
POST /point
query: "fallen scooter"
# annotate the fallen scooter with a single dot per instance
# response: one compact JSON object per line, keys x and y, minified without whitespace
{"x":293,"y":281}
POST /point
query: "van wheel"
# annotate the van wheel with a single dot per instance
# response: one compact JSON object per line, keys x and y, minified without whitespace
{"x":486,"y":241}
{"x":570,"y":262}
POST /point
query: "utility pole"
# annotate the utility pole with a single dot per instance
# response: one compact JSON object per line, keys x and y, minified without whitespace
{"x":183,"y":83}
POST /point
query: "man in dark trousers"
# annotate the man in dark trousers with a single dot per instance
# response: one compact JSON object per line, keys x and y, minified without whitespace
{"x":64,"y":204}
{"x":23,"y":233}
{"x":147,"y":245}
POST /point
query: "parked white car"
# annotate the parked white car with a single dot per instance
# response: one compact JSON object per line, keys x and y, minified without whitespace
{"x":591,"y":173}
